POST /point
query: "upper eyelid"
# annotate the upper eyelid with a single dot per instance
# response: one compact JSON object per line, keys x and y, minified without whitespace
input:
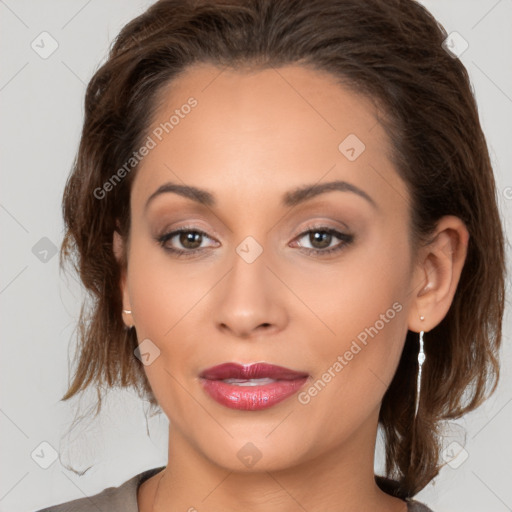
{"x":184,"y":229}
{"x":319,"y":225}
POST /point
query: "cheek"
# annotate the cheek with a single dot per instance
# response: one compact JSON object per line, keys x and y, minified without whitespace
{"x":159,"y":299}
{"x":166,"y":303}
{"x":352,"y":293}
{"x":151,"y":298}
{"x":362,"y":306}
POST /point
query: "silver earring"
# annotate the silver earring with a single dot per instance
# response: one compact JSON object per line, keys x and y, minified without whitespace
{"x":421,"y":360}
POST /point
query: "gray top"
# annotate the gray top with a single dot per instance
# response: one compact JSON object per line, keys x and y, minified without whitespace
{"x":124,"y":498}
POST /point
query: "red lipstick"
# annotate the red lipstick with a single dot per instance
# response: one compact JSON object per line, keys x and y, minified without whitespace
{"x":251,"y":387}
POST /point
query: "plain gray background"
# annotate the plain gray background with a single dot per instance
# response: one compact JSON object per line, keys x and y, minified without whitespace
{"x":41,"y":115}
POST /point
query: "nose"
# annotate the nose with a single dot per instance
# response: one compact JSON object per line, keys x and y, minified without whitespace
{"x":251,"y":301}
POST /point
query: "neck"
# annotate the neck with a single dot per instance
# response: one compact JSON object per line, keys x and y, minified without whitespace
{"x":340,"y":479}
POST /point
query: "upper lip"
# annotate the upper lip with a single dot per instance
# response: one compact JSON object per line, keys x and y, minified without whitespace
{"x":250,"y":371}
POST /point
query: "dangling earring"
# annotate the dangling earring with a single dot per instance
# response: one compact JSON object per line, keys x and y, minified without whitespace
{"x":421,"y":360}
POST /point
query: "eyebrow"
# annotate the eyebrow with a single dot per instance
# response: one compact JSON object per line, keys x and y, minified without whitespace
{"x":291,"y":198}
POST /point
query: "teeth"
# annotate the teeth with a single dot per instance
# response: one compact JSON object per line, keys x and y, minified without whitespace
{"x":249,"y":382}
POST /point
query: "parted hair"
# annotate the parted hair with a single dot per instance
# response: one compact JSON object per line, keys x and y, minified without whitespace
{"x":390,"y":51}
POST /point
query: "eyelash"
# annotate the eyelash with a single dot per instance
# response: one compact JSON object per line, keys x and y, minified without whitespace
{"x":346,"y":238}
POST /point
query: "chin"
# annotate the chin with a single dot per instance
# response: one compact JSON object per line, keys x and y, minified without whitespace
{"x":255,"y":455}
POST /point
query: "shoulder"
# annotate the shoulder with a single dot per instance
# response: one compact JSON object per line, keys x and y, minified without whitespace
{"x":112,"y":499}
{"x":416,"y":506}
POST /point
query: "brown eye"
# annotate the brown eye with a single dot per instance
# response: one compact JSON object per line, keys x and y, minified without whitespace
{"x":321,"y":238}
{"x":190,"y":239}
{"x":184,"y":241}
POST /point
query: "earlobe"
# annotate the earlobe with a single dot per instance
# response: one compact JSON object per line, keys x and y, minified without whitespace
{"x":438,"y":273}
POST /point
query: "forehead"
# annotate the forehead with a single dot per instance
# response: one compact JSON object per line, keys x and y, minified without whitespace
{"x":263,"y":132}
{"x":268,"y":101}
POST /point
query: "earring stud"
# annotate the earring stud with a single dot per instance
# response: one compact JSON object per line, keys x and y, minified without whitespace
{"x":127,"y":311}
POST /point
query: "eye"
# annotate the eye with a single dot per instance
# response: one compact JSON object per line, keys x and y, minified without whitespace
{"x":190,"y":239}
{"x":321,"y":239}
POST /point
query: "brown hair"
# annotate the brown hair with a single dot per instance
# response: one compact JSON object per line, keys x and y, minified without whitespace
{"x":389,"y":50}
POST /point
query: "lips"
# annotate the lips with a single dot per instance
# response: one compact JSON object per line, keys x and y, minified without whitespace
{"x":251,"y":387}
{"x":252,"y":371}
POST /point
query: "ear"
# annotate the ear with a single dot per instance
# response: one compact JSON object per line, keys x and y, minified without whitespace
{"x":118,"y":247}
{"x":437,"y":273}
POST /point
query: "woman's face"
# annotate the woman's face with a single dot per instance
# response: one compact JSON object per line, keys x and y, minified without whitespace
{"x":321,"y":283}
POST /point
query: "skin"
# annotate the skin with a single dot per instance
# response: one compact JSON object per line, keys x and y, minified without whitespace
{"x":253,"y":136}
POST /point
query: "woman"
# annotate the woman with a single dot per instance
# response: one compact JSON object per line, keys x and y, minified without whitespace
{"x":285,"y":213}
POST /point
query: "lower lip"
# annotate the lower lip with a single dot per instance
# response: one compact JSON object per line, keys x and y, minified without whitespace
{"x":252,"y":398}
